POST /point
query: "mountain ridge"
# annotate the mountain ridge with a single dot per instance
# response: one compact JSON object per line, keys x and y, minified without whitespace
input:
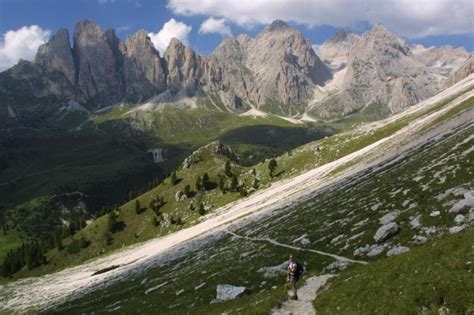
{"x":277,"y":71}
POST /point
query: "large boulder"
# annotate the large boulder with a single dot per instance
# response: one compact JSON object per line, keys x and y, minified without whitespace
{"x":226,"y":292}
{"x":386,"y":231}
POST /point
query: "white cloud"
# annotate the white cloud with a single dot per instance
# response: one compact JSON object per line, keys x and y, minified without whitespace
{"x":21,"y":44}
{"x":212,"y":25}
{"x":103,"y":2}
{"x":170,"y":29}
{"x":410,"y":18}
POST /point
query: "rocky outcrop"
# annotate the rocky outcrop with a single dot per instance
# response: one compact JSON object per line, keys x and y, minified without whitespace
{"x":386,"y":231}
{"x":215,"y":147}
{"x":226,"y":292}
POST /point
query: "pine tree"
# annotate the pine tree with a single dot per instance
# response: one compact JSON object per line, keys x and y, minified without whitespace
{"x":272,"y":165}
{"x":173,"y":179}
{"x":221,"y":184}
{"x":201,"y":209}
{"x":138,"y":208}
{"x":198,"y":183}
{"x":234,"y":183}
{"x":83,"y":242}
{"x":205,"y":181}
{"x":255,"y":183}
{"x":112,"y":222}
{"x":227,"y":169}
{"x":187,"y":190}
{"x":155,"y":221}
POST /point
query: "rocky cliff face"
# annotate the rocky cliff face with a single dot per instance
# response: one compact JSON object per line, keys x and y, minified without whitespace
{"x":184,"y":69}
{"x":144,"y":71}
{"x":335,"y":52}
{"x":442,"y":61}
{"x":98,"y":64}
{"x":463,"y":72}
{"x":278,"y":65}
{"x":56,"y":55}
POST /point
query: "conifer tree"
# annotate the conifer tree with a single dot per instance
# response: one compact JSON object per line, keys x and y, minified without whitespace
{"x":234,"y":183}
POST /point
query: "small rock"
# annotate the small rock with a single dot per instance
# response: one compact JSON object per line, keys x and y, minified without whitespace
{"x":386,"y":231}
{"x":397,"y":250}
{"x":226,"y":292}
{"x":418,"y":239}
{"x":459,"y":218}
{"x":456,"y":229}
{"x":375,"y":250}
{"x":435,"y":213}
{"x":337,"y":266}
{"x":471,"y":217}
{"x":178,"y":195}
{"x":416,"y":222}
{"x":389,"y":217}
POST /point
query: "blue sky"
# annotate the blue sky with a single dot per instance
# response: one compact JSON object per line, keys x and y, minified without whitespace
{"x":316,"y":19}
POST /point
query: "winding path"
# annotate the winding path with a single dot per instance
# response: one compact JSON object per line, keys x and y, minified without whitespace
{"x":337,"y":257}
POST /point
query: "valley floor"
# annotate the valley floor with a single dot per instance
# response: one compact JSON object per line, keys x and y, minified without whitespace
{"x":52,"y":290}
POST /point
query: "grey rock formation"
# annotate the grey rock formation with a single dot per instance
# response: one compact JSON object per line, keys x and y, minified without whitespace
{"x":416,"y":222}
{"x":226,"y":292}
{"x":277,"y":71}
{"x":99,"y":79}
{"x":56,"y":55}
{"x":278,"y":66}
{"x":456,"y":229}
{"x":398,"y":250}
{"x":389,"y":217}
{"x":335,"y":51}
{"x":382,"y":70}
{"x":442,"y":61}
{"x":144,"y":73}
{"x":184,"y":69}
{"x":386,"y":231}
{"x":418,"y":239}
{"x":463,"y":72}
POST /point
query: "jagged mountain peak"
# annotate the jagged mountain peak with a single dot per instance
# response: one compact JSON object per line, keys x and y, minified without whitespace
{"x":87,"y":26}
{"x":277,"y":25}
{"x":340,"y":36}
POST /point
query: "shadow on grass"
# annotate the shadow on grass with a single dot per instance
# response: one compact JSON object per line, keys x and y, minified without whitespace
{"x":257,"y":143}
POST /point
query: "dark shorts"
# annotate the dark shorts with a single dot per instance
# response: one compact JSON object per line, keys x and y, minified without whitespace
{"x":292,"y":281}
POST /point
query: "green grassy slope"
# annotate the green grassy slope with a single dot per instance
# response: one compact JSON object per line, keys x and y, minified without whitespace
{"x":337,"y":220}
{"x":436,"y":277}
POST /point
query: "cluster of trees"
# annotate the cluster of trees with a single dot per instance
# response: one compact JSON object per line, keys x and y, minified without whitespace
{"x":30,"y":255}
{"x":76,"y":245}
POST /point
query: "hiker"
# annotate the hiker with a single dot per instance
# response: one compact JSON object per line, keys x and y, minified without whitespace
{"x":295,"y":270}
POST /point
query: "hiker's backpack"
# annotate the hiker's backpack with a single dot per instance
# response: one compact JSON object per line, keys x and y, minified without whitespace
{"x":299,"y":269}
